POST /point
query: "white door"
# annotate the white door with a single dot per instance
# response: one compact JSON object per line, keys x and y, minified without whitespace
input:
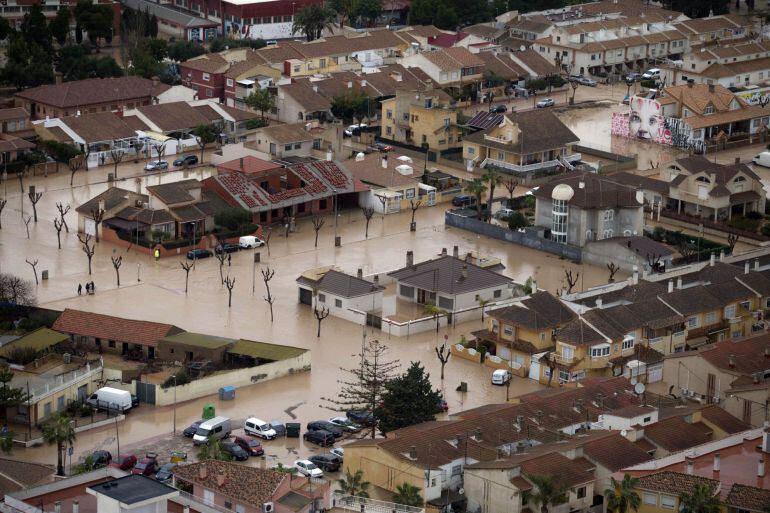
{"x":534,"y":369}
{"x":90,"y":227}
{"x":431,"y":198}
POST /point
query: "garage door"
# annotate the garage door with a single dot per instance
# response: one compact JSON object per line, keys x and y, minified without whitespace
{"x":90,"y":227}
{"x":306,"y":296}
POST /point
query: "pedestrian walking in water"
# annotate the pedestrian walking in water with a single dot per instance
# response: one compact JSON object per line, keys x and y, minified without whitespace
{"x":80,"y":289}
{"x":229,"y":259}
{"x":93,"y":288}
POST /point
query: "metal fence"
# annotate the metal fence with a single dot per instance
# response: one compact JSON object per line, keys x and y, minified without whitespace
{"x":363,"y":505}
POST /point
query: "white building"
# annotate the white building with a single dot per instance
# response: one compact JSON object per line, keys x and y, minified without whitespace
{"x":343,"y":295}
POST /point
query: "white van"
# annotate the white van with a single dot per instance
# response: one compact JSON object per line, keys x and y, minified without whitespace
{"x":651,"y":73}
{"x":763,"y":159}
{"x":501,"y":377}
{"x":250,"y":241}
{"x":108,"y":398}
{"x":213,"y":429}
{"x":256,"y":427}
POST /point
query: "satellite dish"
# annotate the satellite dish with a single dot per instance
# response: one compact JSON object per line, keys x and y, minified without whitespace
{"x":522,"y":48}
{"x":623,"y":433}
{"x":461,"y":491}
{"x":360,"y":156}
{"x":639,"y":388}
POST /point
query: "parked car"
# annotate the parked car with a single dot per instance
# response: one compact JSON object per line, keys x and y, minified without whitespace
{"x":338,"y":452}
{"x":190,"y":430}
{"x":763,"y":159}
{"x":250,"y":241}
{"x":354,"y":129}
{"x":101,"y":458}
{"x":463,"y":200}
{"x":235,"y":450}
{"x":195,"y":254}
{"x":256,"y":427}
{"x":250,"y":445}
{"x":626,"y":100}
{"x":124,"y":461}
{"x":156,"y":165}
{"x":326,"y":462}
{"x":308,"y":468}
{"x":575,"y":77}
{"x":226,"y":248}
{"x":442,"y":406}
{"x":345,"y":424}
{"x":186,"y":160}
{"x":503,"y":213}
{"x":147,"y":465}
{"x":322,"y":438}
{"x":279,"y":427}
{"x":361,"y":417}
{"x":382,"y":147}
{"x":501,"y":377}
{"x":651,"y":74}
{"x":217,"y":428}
{"x":165,"y":473}
{"x":325,"y":425}
{"x":498,"y":109}
{"x":546,"y":102}
{"x":633,"y":76}
{"x":587,"y":81}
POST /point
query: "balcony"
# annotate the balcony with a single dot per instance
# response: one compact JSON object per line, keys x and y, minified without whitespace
{"x":527,"y":168}
{"x":499,"y":140}
{"x":562,"y":360}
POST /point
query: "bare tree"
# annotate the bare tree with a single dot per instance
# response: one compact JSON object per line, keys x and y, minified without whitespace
{"x":186,"y":266}
{"x":266,"y":239}
{"x":414,"y":205}
{"x":571,"y":281}
{"x":117,"y":157}
{"x":383,"y":201}
{"x":160,"y":149}
{"x":320,"y":315}
{"x":75,"y":164}
{"x":88,"y":249}
{"x":116,"y":263}
{"x":230,"y":283}
{"x":3,"y":203}
{"x":653,"y":260}
{"x":221,"y":256}
{"x":443,"y":353}
{"x":63,"y":212}
{"x":510,"y":185}
{"x":687,"y":249}
{"x":732,"y":240}
{"x":97,"y":214}
{"x":575,"y":85}
{"x":34,"y":269}
{"x":318,"y":223}
{"x":613,"y":268}
{"x":16,"y":290}
{"x":57,"y":224}
{"x":368,"y":213}
{"x":26,"y":223}
{"x":267,"y":275}
{"x":34,"y":197}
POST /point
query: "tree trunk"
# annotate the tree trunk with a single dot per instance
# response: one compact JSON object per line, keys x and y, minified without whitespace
{"x":318,"y":335}
{"x":117,"y":274}
{"x":89,"y":266}
{"x":316,"y":238}
{"x":60,"y":460}
{"x":367,"y":229}
{"x":186,"y":279}
{"x":58,"y":237}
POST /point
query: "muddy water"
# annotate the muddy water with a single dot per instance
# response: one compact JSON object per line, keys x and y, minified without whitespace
{"x":155,"y":291}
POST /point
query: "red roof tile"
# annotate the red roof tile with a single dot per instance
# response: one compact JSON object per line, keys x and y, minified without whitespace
{"x":107,"y":327}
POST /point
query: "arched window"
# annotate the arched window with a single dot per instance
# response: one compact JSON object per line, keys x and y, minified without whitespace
{"x":739,"y":179}
{"x":300,"y":116}
{"x":702,"y":179}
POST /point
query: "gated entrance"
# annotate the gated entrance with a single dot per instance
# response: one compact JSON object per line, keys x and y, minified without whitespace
{"x":145,"y":392}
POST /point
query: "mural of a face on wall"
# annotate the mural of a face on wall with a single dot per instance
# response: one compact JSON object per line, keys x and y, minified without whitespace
{"x":645,"y":120}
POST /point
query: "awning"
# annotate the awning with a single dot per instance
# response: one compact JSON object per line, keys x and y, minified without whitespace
{"x":264,"y":351}
{"x":385,"y":193}
{"x":697,"y":341}
{"x":124,"y":224}
{"x":157,"y":136}
{"x":38,"y":340}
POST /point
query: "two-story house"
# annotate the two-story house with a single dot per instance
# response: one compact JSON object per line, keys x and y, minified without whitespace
{"x":528,"y":145}
{"x":289,"y":140}
{"x":421,"y":119}
{"x":455,"y":67}
{"x":729,"y":64}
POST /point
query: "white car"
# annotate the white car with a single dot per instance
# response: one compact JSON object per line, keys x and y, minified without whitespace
{"x":338,"y":451}
{"x":156,"y":165}
{"x":501,"y":377}
{"x":504,"y":213}
{"x":308,"y":468}
{"x":256,"y":427}
{"x":345,"y":424}
{"x":546,"y":102}
{"x":352,"y":128}
{"x":250,"y":241}
{"x":763,"y":159}
{"x":651,"y":73}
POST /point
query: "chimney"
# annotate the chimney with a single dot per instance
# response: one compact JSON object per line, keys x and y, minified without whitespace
{"x":221,"y":480}
{"x":690,"y":465}
{"x":635,"y":276}
{"x":412,"y":452}
{"x":598,"y":302}
{"x":329,"y":154}
{"x":350,"y":84}
{"x":746,"y":267}
{"x":384,"y":162}
{"x":241,"y":163}
{"x":443,"y":252}
{"x":75,"y":507}
{"x":721,"y":255}
{"x":670,"y":286}
{"x":315,"y":88}
{"x":711,"y":88}
{"x":409,"y":258}
{"x":468,"y":256}
{"x":689,"y":83}
{"x":202,"y":474}
{"x":478,"y":434}
{"x":756,"y":264}
{"x":761,"y":467}
{"x":679,"y":283}
{"x":57,"y":506}
{"x":737,"y":160}
{"x":376,"y":280}
{"x":456,"y":252}
{"x":712,"y":259}
{"x":360,"y":273}
{"x":534,"y":286}
{"x":717,"y":461}
{"x":731,"y":361}
{"x":464,"y":272}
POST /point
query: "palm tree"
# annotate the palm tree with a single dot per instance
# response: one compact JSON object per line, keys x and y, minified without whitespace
{"x":621,"y":495}
{"x":354,"y":484}
{"x":483,"y":303}
{"x":549,"y":492}
{"x":701,"y":500}
{"x":477,"y":188}
{"x":60,"y":431}
{"x":312,"y":20}
{"x":436,"y":312}
{"x":493,"y":177}
{"x":213,"y":451}
{"x":408,"y":495}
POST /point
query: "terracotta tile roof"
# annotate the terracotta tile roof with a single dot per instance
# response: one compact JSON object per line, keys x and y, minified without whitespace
{"x":175,"y":192}
{"x":100,"y":126}
{"x":170,"y":117}
{"x":615,"y":453}
{"x":454,"y":58}
{"x":597,"y":192}
{"x":135,"y":123}
{"x":208,"y":112}
{"x":566,"y":471}
{"x":93,"y":90}
{"x":699,"y":96}
{"x":723,"y":420}
{"x":642,"y":182}
{"x":288,"y":133}
{"x":645,"y":445}
{"x":502,"y":65}
{"x":539,"y":131}
{"x":748,"y":498}
{"x":750,"y":112}
{"x":534,"y":61}
{"x":538,"y":312}
{"x":675,"y":434}
{"x":342,"y":284}
{"x":521,"y":346}
{"x":675,"y":483}
{"x":642,"y":353}
{"x":207,"y":63}
{"x":521,"y":483}
{"x":16,"y":474}
{"x":248,"y":485}
{"x":445,"y":275}
{"x":746,"y":355}
{"x":13,"y":113}
{"x":248,"y":165}
{"x":711,"y":24}
{"x":305,"y":96}
{"x":107,"y":327}
{"x":371,"y":172}
{"x":112,"y":198}
{"x":239,"y":114}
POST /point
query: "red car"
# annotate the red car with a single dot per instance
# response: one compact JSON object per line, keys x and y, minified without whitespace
{"x":251,"y":446}
{"x":124,"y":462}
{"x":147,"y":466}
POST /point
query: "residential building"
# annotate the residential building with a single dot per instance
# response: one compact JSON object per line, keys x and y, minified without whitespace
{"x":729,"y":64}
{"x":350,"y":297}
{"x":189,"y":347}
{"x":177,"y":23}
{"x":448,"y":67}
{"x":528,"y":145}
{"x":631,"y":252}
{"x":424,"y":119}
{"x":663,"y":490}
{"x":232,"y":486}
{"x":451,"y":284}
{"x":99,"y":332}
{"x":299,"y":102}
{"x":109,"y":202}
{"x":214,"y":75}
{"x":89,"y":96}
{"x":286,"y":140}
{"x":15,"y":129}
{"x":582,"y":207}
{"x":133,"y":491}
{"x":714,"y":28}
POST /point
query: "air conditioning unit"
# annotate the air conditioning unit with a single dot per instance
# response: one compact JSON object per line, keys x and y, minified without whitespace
{"x":268,"y":507}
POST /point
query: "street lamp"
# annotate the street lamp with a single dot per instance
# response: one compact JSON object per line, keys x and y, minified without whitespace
{"x":173,"y":433}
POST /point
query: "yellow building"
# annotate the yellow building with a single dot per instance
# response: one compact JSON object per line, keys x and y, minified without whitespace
{"x":661,"y":492}
{"x":421,"y":118}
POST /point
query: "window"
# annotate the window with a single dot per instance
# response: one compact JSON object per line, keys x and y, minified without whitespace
{"x":471,"y":150}
{"x":628,"y":342}
{"x":609,"y":215}
{"x":317,"y":144}
{"x":711,"y":318}
{"x":495,"y":326}
{"x":457,"y":470}
{"x":709,"y":110}
{"x":406,"y":290}
{"x":47,"y":409}
{"x":389,"y":114}
{"x":228,"y":505}
{"x":229,"y":82}
{"x":60,"y":403}
{"x":668,"y":502}
{"x":338,"y":303}
{"x":730,"y":311}
{"x":322,"y":204}
{"x":567,"y":352}
{"x":737,"y":334}
{"x":692,"y":322}
{"x":563,"y":376}
{"x":297,"y":146}
{"x":581,"y":492}
{"x":322,"y":298}
{"x":646,"y":420}
{"x":111,"y":343}
{"x":206,"y":77}
{"x":445,"y":303}
{"x":497,"y":294}
{"x":600,"y":351}
{"x":287,"y":147}
{"x":388,"y":130}
{"x":508,"y":330}
{"x":209,"y":92}
{"x":208,"y":496}
{"x":650,"y":498}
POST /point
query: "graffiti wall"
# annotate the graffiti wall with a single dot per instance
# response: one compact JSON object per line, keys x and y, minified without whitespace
{"x":755,"y":96}
{"x":644,"y":120}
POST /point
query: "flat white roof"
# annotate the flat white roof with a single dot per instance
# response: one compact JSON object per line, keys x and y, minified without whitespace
{"x":247,"y":2}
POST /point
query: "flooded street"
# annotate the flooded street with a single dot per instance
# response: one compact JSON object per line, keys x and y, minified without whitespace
{"x":154,"y":291}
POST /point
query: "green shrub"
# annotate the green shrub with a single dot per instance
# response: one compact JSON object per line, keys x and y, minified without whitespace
{"x":517,"y":220}
{"x":754,"y":215}
{"x":744,"y":223}
{"x":537,"y":83}
{"x":557,"y":81}
{"x":232,"y":218}
{"x":182,"y":378}
{"x":649,"y":84}
{"x":658,"y":234}
{"x":256,"y":123}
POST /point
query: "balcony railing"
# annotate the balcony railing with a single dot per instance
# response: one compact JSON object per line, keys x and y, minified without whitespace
{"x":528,"y":167}
{"x":362,"y":505}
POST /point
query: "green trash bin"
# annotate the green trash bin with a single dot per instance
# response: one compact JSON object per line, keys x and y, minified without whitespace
{"x":208,"y":412}
{"x":292,"y":429}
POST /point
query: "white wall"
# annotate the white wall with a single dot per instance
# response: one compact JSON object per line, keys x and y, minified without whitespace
{"x":351,"y":309}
